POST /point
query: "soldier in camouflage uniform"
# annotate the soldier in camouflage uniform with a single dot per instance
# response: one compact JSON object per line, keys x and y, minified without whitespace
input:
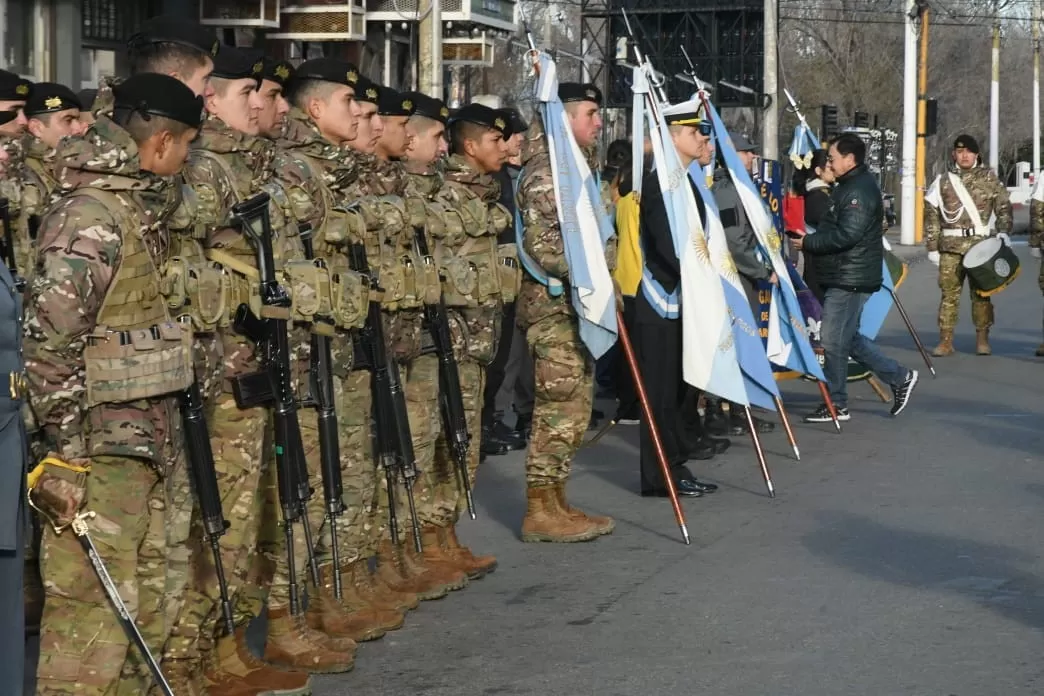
{"x":1036,"y":239}
{"x":563,"y":367}
{"x":105,"y":362}
{"x":390,"y":219}
{"x":14,"y":91}
{"x":950,"y":232}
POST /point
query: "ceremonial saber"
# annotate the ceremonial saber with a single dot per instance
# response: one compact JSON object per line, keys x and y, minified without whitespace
{"x":654,"y":432}
{"x":761,"y":454}
{"x":786,"y":426}
{"x":913,"y":332}
{"x":598,"y":436}
{"x":829,"y":404}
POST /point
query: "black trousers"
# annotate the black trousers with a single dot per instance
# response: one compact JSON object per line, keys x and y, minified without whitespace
{"x":625,"y":391}
{"x":672,"y":402}
{"x":496,"y":370}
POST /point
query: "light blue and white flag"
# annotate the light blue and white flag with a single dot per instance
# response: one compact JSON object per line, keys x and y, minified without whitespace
{"x":585,"y":225}
{"x":802,"y":146}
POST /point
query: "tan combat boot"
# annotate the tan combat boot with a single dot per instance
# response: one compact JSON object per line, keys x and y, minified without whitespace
{"x":233,"y":670}
{"x":350,"y":617}
{"x":436,"y":552}
{"x":447,"y":572}
{"x":546,"y":521}
{"x":604,"y":524}
{"x":392,"y":571}
{"x":982,"y":342}
{"x":289,"y":646}
{"x":945,"y":346}
{"x":482,"y":565}
{"x":371,"y":588}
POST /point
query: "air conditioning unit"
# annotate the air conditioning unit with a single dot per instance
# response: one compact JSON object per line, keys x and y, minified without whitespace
{"x":468,"y":50}
{"x":240,"y":13}
{"x":319,"y":21}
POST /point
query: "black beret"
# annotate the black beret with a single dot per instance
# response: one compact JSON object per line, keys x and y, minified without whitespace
{"x":278,"y":70}
{"x":8,"y":116}
{"x":394,"y":103}
{"x":516,"y":123}
{"x":233,"y":63}
{"x":576,"y":92}
{"x":157,"y":95}
{"x":966,"y":142}
{"x":483,"y":116}
{"x":176,"y":30}
{"x":366,"y":90}
{"x":328,"y":70}
{"x":426,"y":106}
{"x":14,"y":87}
{"x":49,"y":97}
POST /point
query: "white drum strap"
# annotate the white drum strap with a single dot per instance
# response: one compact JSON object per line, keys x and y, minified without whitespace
{"x":969,"y":205}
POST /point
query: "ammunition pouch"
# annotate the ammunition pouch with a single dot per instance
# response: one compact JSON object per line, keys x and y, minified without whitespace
{"x":392,"y":277}
{"x":416,"y":210}
{"x":481,"y":252}
{"x":459,"y":279}
{"x":309,"y":288}
{"x":124,"y":366}
{"x":195,"y":290}
{"x":451,"y":231}
{"x":242,"y":285}
{"x":500,"y":219}
{"x":57,"y":489}
{"x":350,"y":294}
{"x":343,"y":226}
{"x":431,"y":285}
{"x":510,"y":272}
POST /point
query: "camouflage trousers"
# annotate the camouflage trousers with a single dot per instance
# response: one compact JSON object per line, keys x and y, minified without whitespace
{"x":1040,"y":277}
{"x":563,"y":392}
{"x":352,"y":401}
{"x":83,"y":649}
{"x":237,"y":438}
{"x":420,"y":385}
{"x":951,"y":279}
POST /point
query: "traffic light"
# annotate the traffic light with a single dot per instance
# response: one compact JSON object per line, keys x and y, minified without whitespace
{"x":862,"y":119}
{"x":829,"y":121}
{"x":931,"y":116}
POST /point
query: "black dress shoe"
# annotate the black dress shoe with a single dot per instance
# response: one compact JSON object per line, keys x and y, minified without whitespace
{"x":523,"y":426}
{"x":506,"y":435}
{"x":685,"y":487}
{"x":701,"y":450}
{"x":719,"y":444}
{"x":715,"y":422}
{"x":490,"y":445}
{"x":739,"y":427}
{"x":705,"y":487}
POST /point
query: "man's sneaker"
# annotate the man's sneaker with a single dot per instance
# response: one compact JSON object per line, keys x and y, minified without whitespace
{"x":902,"y":393}
{"x":822,"y":415}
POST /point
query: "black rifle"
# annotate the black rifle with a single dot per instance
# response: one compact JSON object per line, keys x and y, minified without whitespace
{"x":394,"y":443}
{"x":321,"y":380}
{"x":8,"y":252}
{"x":451,"y":402}
{"x":204,"y":480}
{"x":273,"y":384}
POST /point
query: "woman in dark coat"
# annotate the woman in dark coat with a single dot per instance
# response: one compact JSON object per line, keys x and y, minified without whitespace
{"x":816,"y":192}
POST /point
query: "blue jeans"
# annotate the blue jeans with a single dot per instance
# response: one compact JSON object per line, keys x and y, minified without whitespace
{"x":841,"y":338}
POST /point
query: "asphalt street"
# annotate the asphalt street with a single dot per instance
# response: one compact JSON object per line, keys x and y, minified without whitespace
{"x":899,"y":557}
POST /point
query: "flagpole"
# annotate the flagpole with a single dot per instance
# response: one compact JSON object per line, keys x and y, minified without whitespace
{"x":829,"y":404}
{"x":760,"y":452}
{"x":786,"y":426}
{"x":913,"y":332}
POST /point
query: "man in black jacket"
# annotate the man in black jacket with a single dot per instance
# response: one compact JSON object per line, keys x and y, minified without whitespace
{"x":848,"y":241}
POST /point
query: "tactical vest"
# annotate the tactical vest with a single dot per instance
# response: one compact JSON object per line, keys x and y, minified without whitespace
{"x":475,"y":269}
{"x":136,"y":351}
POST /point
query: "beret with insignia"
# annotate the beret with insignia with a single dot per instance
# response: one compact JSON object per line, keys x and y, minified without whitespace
{"x":49,"y":97}
{"x":966,"y":142}
{"x":278,"y":70}
{"x":577,"y":92}
{"x":233,"y":63}
{"x":153,"y":94}
{"x":334,"y":70}
{"x":176,"y":30}
{"x":394,"y":103}
{"x":426,"y":106}
{"x":367,"y":90}
{"x":13,"y":87}
{"x":516,"y":123}
{"x":483,"y":116}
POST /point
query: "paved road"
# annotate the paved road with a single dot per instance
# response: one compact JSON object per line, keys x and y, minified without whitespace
{"x":902,"y":557}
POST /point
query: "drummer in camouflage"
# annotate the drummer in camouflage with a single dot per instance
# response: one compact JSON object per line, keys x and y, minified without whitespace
{"x":952,"y":229}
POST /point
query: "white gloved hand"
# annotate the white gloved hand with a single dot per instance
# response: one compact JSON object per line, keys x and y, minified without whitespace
{"x":933,"y":256}
{"x":1035,"y":252}
{"x":887,"y":246}
{"x":1003,"y":236}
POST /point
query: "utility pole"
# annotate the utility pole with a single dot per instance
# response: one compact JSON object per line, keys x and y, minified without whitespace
{"x":995,"y":93}
{"x":770,"y":124}
{"x":922,"y":122}
{"x":429,"y":49}
{"x":908,"y":185}
{"x":1036,"y":89}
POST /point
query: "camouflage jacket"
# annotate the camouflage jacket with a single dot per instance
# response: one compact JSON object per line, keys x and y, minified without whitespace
{"x":990,"y":197}
{"x":39,"y":186}
{"x":80,"y":242}
{"x":541,"y":233}
{"x":11,"y":186}
{"x":224,"y":168}
{"x":1037,"y":214}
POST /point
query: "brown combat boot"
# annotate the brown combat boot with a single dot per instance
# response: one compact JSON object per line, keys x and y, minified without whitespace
{"x":350,"y":617}
{"x":290,"y":647}
{"x":604,"y":524}
{"x":546,"y":521}
{"x":945,"y":346}
{"x":435,"y":551}
{"x":392,"y":571}
{"x":376,"y":592}
{"x":982,"y":342}
{"x":234,"y":671}
{"x":482,"y":565}
{"x":446,"y":572}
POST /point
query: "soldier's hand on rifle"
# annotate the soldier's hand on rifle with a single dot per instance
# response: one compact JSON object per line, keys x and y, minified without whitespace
{"x":933,"y":256}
